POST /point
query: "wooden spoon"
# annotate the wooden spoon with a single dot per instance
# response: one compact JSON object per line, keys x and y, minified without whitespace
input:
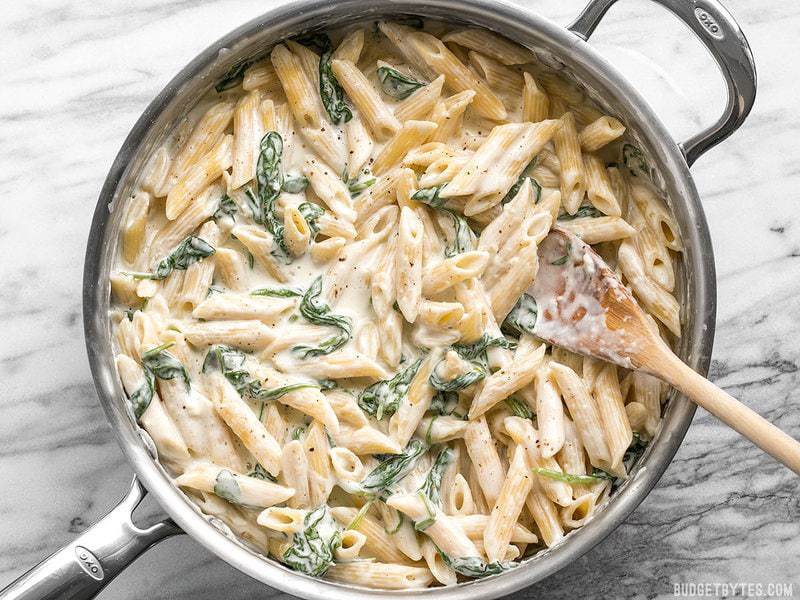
{"x":583,"y":307}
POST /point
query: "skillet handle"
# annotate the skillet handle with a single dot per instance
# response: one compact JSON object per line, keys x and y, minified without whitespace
{"x":81,"y":569}
{"x":723,"y":38}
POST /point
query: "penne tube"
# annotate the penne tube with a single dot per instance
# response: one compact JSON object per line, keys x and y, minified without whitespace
{"x":568,"y":150}
{"x":380,"y":575}
{"x":261,"y":75}
{"x":359,"y":144}
{"x":595,"y":230}
{"x":412,"y":133}
{"x":233,"y":487}
{"x":296,"y":231}
{"x":259,"y":244}
{"x":458,"y":77}
{"x":600,"y":132}
{"x":535,"y":103}
{"x":377,"y":116}
{"x":507,"y":380}
{"x":415,"y":403}
{"x":378,"y":543}
{"x":282,"y":519}
{"x":441,"y":528}
{"x":156,"y":421}
{"x":598,"y":186}
{"x":491,"y":44}
{"x":301,"y":91}
{"x":483,"y":454}
{"x":248,"y":129}
{"x":453,"y":270}
{"x":244,"y":334}
{"x":616,"y":427}
{"x":294,"y":468}
{"x":244,"y":423}
{"x":230,"y":266}
{"x":505,"y":513}
{"x":420,"y":104}
{"x":522,"y":432}
{"x":583,"y":410}
{"x":350,"y":47}
{"x":408,"y":264}
{"x":133,"y":231}
{"x":549,"y":414}
{"x":656,"y":300}
{"x":199,"y":176}
{"x":228,"y":305}
{"x":440,"y":570}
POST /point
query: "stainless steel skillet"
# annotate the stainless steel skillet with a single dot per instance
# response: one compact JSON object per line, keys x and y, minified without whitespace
{"x":84,"y":567}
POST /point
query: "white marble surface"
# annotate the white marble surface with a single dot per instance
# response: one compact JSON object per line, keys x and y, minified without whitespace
{"x":76,"y":75}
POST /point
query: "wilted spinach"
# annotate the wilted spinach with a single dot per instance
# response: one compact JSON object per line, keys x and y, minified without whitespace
{"x":397,"y":85}
{"x":230,"y":362}
{"x":463,"y":236}
{"x":317,"y":312}
{"x":522,"y":318}
{"x":313,"y":548}
{"x":382,"y":398}
{"x":391,"y":470}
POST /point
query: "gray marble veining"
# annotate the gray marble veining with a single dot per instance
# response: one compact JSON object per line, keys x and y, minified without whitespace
{"x":76,"y":76}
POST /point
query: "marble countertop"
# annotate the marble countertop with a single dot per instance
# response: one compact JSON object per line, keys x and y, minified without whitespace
{"x":76,"y":76}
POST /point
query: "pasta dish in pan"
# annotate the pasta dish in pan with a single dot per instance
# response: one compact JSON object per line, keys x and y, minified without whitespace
{"x":321,"y":311}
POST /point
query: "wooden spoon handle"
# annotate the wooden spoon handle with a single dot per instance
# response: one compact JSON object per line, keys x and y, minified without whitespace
{"x":730,"y":411}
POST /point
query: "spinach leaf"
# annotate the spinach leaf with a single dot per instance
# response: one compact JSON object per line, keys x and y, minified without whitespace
{"x":567,"y":477}
{"x":164,"y":365}
{"x":141,"y":398}
{"x":473,"y":566}
{"x":457,"y":383}
{"x":634,"y":160}
{"x":444,"y":403}
{"x":230,"y":362}
{"x":634,"y":451}
{"x":433,"y":482}
{"x":423,"y":524}
{"x":475,"y":354}
{"x":227,"y":207}
{"x":260,"y":472}
{"x":269,"y":174}
{"x":518,"y":408}
{"x":327,"y":384}
{"x":477,"y":350}
{"x":191,"y":250}
{"x":233,"y":77}
{"x":317,"y":312}
{"x":356,"y":186}
{"x":330,"y":91}
{"x":294,"y":184}
{"x":382,"y":398}
{"x":319,"y":42}
{"x":227,"y":488}
{"x":518,"y":184}
{"x":277,"y":293}
{"x":362,"y":512}
{"x":463,"y":236}
{"x":397,"y":85}
{"x":391,"y":470}
{"x":313,"y":548}
{"x":583,"y":211}
{"x":311,"y":212}
{"x":522,"y":318}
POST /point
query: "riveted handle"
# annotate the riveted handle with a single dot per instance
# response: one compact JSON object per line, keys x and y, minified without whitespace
{"x":81,"y":569}
{"x":724,"y":39}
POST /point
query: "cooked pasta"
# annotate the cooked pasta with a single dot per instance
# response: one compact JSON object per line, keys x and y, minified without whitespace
{"x":321,"y":309}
